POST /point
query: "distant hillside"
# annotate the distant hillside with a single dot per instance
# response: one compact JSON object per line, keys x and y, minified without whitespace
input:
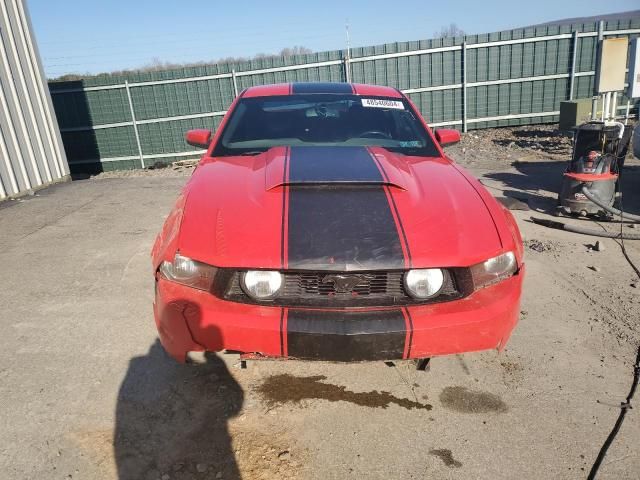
{"x":595,"y":18}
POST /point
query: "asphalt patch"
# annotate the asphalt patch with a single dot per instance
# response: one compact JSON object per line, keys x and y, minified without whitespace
{"x":460,"y":399}
{"x":285,"y":388}
{"x":446,"y":456}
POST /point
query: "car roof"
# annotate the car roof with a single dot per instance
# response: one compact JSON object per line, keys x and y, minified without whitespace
{"x":321,"y":87}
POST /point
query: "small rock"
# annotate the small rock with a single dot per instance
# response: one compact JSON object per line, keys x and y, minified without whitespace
{"x":285,"y":455}
{"x":201,"y":467}
{"x":634,"y":285}
{"x":219,"y":475}
{"x":598,"y":247}
{"x":539,"y":245}
{"x":178,"y":466}
{"x":165,"y":476}
{"x":594,"y":268}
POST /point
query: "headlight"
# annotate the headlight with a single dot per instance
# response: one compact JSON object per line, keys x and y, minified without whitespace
{"x":261,"y":284}
{"x":494,"y":270}
{"x":188,"y":272}
{"x":424,"y":283}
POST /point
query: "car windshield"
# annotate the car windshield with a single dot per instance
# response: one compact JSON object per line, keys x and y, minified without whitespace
{"x":260,"y":123}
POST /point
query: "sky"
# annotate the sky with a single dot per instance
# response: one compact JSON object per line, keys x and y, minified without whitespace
{"x":92,"y":36}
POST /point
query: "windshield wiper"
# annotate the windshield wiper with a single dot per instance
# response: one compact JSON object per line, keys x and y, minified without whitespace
{"x":251,"y":153}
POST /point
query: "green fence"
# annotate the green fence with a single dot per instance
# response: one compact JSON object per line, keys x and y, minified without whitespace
{"x":513,"y":77}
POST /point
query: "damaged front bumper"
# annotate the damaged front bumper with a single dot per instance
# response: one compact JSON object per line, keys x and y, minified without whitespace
{"x":190,"y":320}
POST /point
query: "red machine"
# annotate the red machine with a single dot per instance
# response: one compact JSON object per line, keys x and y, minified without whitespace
{"x":325,"y":222}
{"x":597,"y":147}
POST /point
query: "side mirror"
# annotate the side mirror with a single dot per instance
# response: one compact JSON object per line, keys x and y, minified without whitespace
{"x":198,"y":138}
{"x":446,"y":136}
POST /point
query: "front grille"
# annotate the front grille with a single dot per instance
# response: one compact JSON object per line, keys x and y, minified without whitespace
{"x":341,"y":289}
{"x":388,"y":284}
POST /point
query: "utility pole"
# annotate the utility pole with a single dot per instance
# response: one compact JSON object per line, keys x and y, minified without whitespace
{"x":346,"y":27}
{"x":347,"y":60}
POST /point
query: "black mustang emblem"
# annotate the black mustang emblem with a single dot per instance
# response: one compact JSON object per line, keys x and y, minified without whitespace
{"x":344,"y":283}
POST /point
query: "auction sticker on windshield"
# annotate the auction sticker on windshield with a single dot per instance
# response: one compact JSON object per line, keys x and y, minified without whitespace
{"x":379,"y":103}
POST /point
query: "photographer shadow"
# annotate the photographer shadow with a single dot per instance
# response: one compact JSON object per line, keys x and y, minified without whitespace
{"x":171,"y":419}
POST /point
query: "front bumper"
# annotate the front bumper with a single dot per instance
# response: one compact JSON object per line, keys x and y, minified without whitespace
{"x":192,"y":320}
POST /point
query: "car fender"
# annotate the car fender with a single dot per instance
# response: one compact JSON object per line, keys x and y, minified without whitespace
{"x":512,"y":224}
{"x":166,"y":243}
{"x":496,"y":210}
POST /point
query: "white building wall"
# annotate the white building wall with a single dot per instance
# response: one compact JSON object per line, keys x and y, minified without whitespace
{"x":31,"y":151}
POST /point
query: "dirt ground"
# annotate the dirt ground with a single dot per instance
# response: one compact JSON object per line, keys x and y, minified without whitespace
{"x":86,"y":391}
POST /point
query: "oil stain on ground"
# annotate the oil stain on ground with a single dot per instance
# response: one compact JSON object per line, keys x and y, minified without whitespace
{"x":463,"y":400}
{"x":446,"y":456}
{"x":284,"y":388}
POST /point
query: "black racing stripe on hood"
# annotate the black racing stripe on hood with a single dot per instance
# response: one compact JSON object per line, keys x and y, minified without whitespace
{"x":395,"y":209}
{"x":334,"y":226}
{"x":346,"y":336}
{"x":321,"y":87}
{"x":332,"y":164}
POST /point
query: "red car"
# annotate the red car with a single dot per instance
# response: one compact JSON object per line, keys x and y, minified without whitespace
{"x":325,"y":222}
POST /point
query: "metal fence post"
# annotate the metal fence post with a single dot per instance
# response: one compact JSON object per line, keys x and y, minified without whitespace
{"x":135,"y":124}
{"x":235,"y":83}
{"x":600,"y":30}
{"x":572,"y":75}
{"x":347,"y":69}
{"x":464,"y":87}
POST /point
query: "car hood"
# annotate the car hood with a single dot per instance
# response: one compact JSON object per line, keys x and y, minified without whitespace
{"x":337,"y":208}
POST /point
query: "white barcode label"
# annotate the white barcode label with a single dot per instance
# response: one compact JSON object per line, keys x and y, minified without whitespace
{"x":378,"y":103}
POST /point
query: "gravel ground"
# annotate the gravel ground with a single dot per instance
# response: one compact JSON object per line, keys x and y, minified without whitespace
{"x":87,"y":392}
{"x":176,"y":169}
{"x":514,"y":144}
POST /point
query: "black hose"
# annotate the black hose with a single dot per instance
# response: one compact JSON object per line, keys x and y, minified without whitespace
{"x":595,"y":199}
{"x":624,"y":407}
{"x":584,"y":231}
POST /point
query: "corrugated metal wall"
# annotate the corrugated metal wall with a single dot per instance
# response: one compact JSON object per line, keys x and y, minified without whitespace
{"x":31,"y":151}
{"x":505,"y":78}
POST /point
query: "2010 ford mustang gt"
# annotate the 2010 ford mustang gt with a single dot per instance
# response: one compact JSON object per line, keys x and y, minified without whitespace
{"x":325,"y":222}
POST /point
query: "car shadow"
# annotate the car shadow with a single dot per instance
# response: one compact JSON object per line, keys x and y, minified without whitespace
{"x":171,"y":419}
